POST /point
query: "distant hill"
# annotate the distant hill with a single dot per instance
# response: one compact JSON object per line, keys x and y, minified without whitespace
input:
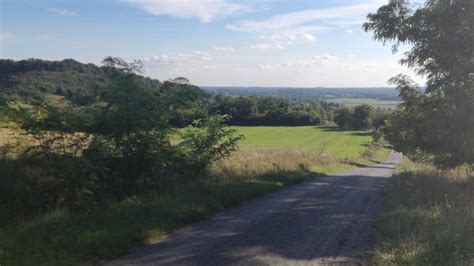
{"x":34,"y":79}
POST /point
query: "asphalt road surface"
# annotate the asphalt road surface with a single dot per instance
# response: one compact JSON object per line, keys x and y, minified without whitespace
{"x":323,"y":222}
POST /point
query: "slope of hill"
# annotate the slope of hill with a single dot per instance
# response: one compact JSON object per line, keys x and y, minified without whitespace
{"x":34,"y":79}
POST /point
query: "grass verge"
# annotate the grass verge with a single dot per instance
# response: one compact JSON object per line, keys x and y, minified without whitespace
{"x":427,"y":218}
{"x":67,"y":237}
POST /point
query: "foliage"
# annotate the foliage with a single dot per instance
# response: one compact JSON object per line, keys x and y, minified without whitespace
{"x":343,"y":117}
{"x":436,"y":125}
{"x":359,"y":117}
{"x":269,"y":111}
{"x":119,"y":145}
{"x":362,"y":117}
{"x":208,"y":141}
{"x":32,"y":79}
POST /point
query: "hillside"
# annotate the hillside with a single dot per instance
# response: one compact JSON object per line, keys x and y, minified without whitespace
{"x":34,"y":79}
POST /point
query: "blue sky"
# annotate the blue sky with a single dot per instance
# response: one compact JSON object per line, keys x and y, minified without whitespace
{"x":299,"y":43}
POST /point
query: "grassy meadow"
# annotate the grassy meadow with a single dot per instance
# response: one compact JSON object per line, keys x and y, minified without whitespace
{"x":269,"y":159}
{"x":427,"y":218}
{"x":327,"y":141}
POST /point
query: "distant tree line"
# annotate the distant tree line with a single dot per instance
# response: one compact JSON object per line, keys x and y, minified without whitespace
{"x":271,"y":111}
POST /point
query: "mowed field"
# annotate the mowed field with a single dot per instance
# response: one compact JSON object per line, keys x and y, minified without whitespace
{"x":321,"y":139}
{"x":351,"y":102}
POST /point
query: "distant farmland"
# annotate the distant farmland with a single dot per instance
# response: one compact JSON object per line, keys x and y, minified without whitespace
{"x":372,"y":102}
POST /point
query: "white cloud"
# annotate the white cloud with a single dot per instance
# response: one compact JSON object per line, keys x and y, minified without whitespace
{"x":266,"y":66}
{"x":6,"y":36}
{"x":316,"y":60}
{"x":335,"y":16}
{"x":289,"y":37}
{"x":181,"y":58}
{"x":349,"y":31}
{"x":224,"y":49}
{"x":62,"y":12}
{"x":204,"y":10}
{"x":286,"y":29}
{"x":309,"y":37}
{"x":265,"y":46}
{"x":320,"y":60}
{"x":324,"y":59}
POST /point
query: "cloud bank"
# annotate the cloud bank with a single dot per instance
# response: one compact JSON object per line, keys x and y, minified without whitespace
{"x":204,"y":10}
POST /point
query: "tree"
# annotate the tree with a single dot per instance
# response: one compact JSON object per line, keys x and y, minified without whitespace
{"x":343,"y":117}
{"x":438,"y":123}
{"x":362,"y":117}
{"x":246,"y":106}
{"x":180,"y":80}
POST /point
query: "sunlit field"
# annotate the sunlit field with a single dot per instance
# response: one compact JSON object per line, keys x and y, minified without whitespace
{"x":329,"y":141}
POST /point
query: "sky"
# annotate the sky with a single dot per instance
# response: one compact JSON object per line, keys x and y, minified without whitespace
{"x":278,"y":43}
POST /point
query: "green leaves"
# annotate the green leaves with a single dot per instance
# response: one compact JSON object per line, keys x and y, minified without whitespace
{"x":117,"y":146}
{"x":437,"y":125}
{"x":207,"y":141}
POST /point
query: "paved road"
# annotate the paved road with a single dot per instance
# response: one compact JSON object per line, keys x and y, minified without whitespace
{"x":326,"y":221}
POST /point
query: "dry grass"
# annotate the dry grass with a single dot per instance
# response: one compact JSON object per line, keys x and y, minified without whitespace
{"x":14,"y":141}
{"x":249,"y":163}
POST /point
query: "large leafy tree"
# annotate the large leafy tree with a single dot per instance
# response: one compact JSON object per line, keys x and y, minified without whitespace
{"x":362,"y":117}
{"x":437,"y":123}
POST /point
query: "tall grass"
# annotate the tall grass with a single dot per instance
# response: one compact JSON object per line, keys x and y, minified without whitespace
{"x":428,"y":218}
{"x":249,"y":163}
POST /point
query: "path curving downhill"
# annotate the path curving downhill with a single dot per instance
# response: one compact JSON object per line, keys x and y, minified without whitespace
{"x":323,"y":222}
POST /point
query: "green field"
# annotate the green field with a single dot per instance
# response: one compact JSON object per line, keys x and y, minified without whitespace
{"x":327,"y":140}
{"x":351,"y":102}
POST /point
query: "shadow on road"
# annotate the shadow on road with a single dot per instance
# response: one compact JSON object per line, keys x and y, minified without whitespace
{"x":324,"y":221}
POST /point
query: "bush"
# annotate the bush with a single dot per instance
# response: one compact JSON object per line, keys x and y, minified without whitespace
{"x":208,"y":141}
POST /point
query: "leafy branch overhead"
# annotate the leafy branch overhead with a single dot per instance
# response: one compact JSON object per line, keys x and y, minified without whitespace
{"x":438,"y":124}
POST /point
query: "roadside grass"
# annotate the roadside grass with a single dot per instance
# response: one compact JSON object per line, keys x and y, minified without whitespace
{"x":427,"y":218}
{"x":66,"y":237}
